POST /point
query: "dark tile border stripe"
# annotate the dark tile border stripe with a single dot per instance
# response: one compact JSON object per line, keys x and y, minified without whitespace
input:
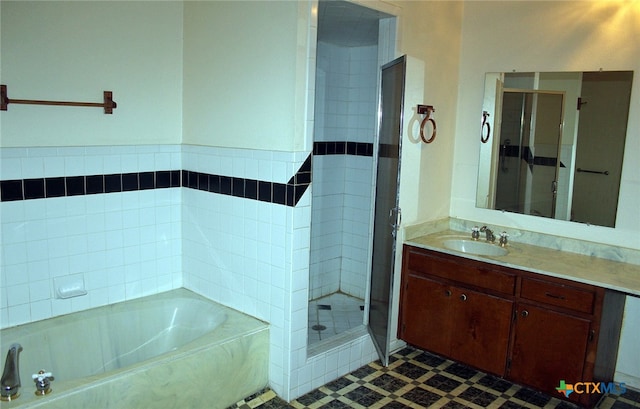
{"x":42,"y":188}
{"x":343,"y":148}
{"x":279,"y":193}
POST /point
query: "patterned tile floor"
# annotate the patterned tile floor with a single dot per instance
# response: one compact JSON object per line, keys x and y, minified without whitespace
{"x":417,"y":379}
{"x":333,"y":315}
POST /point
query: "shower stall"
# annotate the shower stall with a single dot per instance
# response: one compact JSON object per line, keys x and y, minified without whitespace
{"x":348,"y":61}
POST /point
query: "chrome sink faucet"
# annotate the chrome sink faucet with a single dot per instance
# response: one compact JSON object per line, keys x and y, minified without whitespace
{"x":11,"y":375}
{"x":488,"y":233}
{"x":503,"y":239}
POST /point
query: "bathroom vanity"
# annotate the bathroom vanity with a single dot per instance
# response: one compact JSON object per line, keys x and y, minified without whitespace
{"x":530,"y":328}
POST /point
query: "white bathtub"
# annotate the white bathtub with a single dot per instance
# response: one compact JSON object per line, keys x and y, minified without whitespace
{"x":171,"y":350}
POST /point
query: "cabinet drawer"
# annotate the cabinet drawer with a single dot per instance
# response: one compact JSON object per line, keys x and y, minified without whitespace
{"x":460,"y":270}
{"x":558,"y":294}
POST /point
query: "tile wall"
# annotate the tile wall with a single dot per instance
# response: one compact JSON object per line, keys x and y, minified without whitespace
{"x":239,"y":252}
{"x":111,"y":219}
{"x":237,"y":247}
{"x":253,"y":255}
{"x":346,"y":97}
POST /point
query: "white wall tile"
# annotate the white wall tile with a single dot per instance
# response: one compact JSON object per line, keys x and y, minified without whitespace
{"x":342,"y":184}
{"x":32,"y":167}
{"x":56,"y":237}
{"x":40,"y":309}
{"x":18,"y":314}
{"x":10,"y":168}
{"x":253,"y":256}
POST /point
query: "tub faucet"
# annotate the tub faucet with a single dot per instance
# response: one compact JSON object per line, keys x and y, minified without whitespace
{"x":11,"y":375}
{"x":489,"y":234}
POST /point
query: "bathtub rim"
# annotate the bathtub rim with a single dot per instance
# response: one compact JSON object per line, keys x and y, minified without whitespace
{"x":240,"y":325}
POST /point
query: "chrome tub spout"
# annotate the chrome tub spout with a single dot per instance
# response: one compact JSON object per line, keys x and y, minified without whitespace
{"x":11,"y":375}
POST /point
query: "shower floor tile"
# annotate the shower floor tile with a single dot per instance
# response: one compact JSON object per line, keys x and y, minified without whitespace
{"x":333,"y":315}
{"x":418,"y":379}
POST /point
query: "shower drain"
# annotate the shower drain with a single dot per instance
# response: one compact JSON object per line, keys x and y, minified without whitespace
{"x":318,"y":327}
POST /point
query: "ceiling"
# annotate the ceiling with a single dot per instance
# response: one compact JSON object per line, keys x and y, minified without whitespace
{"x":347,"y":24}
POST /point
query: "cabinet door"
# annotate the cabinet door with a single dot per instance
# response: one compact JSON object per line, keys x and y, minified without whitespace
{"x":427,"y":314}
{"x":549,"y":346}
{"x":481,"y":330}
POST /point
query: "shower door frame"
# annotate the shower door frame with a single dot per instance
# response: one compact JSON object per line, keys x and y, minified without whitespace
{"x":381,"y":278}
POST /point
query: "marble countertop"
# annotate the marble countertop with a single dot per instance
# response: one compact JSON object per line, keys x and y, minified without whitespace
{"x":605,"y":273}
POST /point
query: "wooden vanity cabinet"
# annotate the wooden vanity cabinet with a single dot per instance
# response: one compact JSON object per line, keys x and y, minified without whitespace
{"x":425,"y":306}
{"x":481,"y":329}
{"x":549,"y":346}
{"x":531,"y":329}
{"x":451,"y":308}
{"x":457,"y":322}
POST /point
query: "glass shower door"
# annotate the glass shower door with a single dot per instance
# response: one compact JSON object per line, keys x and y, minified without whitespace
{"x":387,"y":212}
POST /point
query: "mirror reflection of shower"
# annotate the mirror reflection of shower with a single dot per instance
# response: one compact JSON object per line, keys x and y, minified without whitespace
{"x":345,"y":127}
{"x":504,"y":166}
{"x":593,"y":116}
{"x":528,"y":176}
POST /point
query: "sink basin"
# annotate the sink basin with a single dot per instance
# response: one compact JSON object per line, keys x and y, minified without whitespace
{"x":479,"y":248}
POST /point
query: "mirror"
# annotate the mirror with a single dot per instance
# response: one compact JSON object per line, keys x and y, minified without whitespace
{"x":552,"y":144}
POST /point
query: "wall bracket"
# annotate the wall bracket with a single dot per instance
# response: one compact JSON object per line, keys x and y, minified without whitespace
{"x":427,"y":110}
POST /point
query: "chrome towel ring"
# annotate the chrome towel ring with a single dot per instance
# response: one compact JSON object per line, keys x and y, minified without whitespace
{"x":485,"y":125}
{"x":426,"y":110}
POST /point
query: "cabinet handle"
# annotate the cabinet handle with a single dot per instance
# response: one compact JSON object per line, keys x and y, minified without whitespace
{"x":447,"y":293}
{"x":524,"y":313}
{"x":557,"y":297}
{"x":463,"y":297}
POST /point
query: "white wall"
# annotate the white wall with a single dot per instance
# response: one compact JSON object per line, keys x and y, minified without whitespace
{"x":430,"y":35}
{"x":628,"y":354}
{"x":73,"y":51}
{"x":240,"y":75}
